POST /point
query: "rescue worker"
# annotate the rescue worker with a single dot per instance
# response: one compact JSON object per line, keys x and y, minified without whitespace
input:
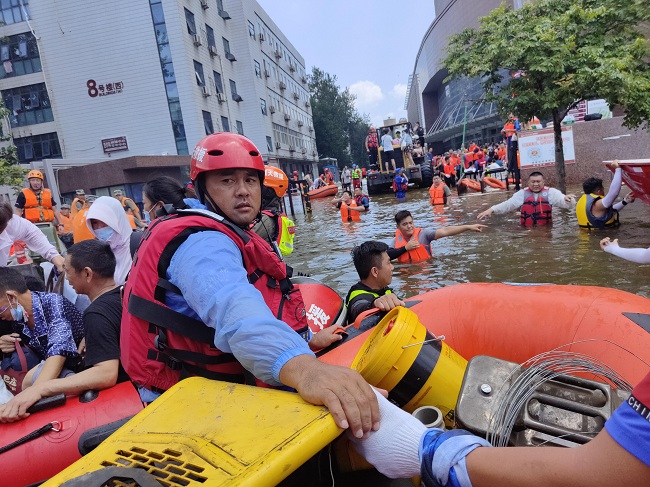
{"x":375,"y":271}
{"x":78,"y":202}
{"x":128,"y":202}
{"x":329,"y":177}
{"x":413,"y":244}
{"x":357,"y":174}
{"x":199,"y":299}
{"x":597,"y":210}
{"x":439,"y":192}
{"x":273,"y":225}
{"x":64,"y":230}
{"x":36,"y":203}
{"x":535,"y":202}
{"x":350,"y":211}
{"x":80,"y":230}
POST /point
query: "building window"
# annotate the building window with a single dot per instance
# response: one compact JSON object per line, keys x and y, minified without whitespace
{"x":198,"y":71}
{"x":258,"y":69}
{"x":269,"y":144}
{"x":226,"y":46}
{"x":233,"y":92}
{"x":189,"y":21}
{"x":38,"y":147}
{"x":207,"y":123}
{"x":209,"y":32}
{"x":218,"y":83}
{"x":12,"y":12}
{"x":225,"y":125}
{"x":263,"y":105}
{"x":28,"y":105}
{"x":251,"y":29}
{"x":220,"y":5}
{"x":19,"y":55}
{"x":240,"y":127}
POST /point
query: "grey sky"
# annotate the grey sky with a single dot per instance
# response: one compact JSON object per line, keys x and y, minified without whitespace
{"x":369,"y":46}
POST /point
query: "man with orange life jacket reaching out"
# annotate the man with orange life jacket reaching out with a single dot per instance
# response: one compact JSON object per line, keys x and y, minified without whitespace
{"x":350,"y":210}
{"x":36,"y":203}
{"x":413,"y":244}
{"x":203,"y":296}
{"x":535,"y":202}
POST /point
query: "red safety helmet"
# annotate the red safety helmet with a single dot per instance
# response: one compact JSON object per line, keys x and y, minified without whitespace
{"x":225,"y":150}
{"x":276,"y":179}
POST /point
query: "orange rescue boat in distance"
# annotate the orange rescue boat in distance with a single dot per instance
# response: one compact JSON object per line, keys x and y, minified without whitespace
{"x":470,"y":184}
{"x":494,"y":182}
{"x":323,"y":192}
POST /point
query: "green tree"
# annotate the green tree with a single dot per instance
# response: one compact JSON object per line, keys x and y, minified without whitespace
{"x":334,"y":117}
{"x":357,"y":131}
{"x":567,"y":51}
{"x":11,"y":174}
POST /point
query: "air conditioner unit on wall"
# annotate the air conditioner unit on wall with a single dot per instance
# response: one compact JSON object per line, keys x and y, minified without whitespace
{"x":277,"y":54}
{"x":272,"y":109}
{"x":292,"y":148}
{"x":292,"y":67}
{"x":307,"y":105}
{"x":213,"y":51}
{"x":204,"y":4}
{"x":311,"y":129}
{"x":221,"y":97}
{"x":282,"y":85}
{"x":300,"y":123}
{"x":278,"y":145}
{"x":197,"y":40}
{"x":295,"y":95}
{"x":303,"y":79}
{"x":267,"y":74}
{"x":287,"y":117}
{"x":304,"y":151}
{"x":261,"y":37}
{"x":205,"y":90}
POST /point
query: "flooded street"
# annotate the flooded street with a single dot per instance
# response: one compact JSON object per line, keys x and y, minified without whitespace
{"x":504,"y":252}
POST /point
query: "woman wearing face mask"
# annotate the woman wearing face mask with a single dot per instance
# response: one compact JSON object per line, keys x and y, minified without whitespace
{"x":107,"y":221}
{"x":165,"y":190}
{"x":50,"y":324}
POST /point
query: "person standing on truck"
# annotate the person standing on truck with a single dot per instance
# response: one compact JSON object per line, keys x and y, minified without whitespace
{"x":387,"y":146}
{"x":36,"y":202}
{"x":372,"y":146}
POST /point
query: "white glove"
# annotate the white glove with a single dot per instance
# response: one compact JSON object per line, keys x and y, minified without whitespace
{"x":393,"y":449}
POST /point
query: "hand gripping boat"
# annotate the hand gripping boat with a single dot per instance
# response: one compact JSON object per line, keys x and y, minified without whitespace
{"x":206,"y":433}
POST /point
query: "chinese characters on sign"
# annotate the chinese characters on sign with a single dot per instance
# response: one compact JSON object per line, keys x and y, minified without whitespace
{"x":115,"y":144}
{"x":537,"y":147}
{"x":103,"y":90}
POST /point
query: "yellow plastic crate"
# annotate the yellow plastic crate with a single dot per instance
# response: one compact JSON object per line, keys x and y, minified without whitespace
{"x":207,"y":433}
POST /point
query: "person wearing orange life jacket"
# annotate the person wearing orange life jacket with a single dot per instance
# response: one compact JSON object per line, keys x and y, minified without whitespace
{"x":350,"y":211}
{"x":80,"y":231}
{"x":36,"y":202}
{"x":78,"y":202}
{"x":273,"y":225}
{"x":329,"y":177}
{"x":213,"y":313}
{"x":65,"y":229}
{"x":118,"y":194}
{"x":413,"y":244}
{"x":535,"y":202}
{"x":439,"y":192}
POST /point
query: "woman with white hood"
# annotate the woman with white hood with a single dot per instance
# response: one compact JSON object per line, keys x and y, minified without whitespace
{"x":107,"y":221}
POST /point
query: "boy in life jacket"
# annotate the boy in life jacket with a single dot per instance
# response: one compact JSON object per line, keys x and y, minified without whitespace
{"x":595,"y":209}
{"x":439,"y":192}
{"x":273,"y":225}
{"x":535,"y":202}
{"x":400,"y":184}
{"x":361,"y":199}
{"x":204,"y":294}
{"x":36,"y":202}
{"x":413,"y":244}
{"x":350,"y":211}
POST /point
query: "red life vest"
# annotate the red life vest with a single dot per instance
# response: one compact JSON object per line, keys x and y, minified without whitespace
{"x":373,"y":142}
{"x":536,"y":211}
{"x":411,"y":256}
{"x":161,"y":346}
{"x":401,"y":187}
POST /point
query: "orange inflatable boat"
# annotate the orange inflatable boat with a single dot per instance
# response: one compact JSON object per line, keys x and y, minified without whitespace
{"x":470,"y":184}
{"x":323,"y":192}
{"x":494,"y":182}
{"x":517,"y":322}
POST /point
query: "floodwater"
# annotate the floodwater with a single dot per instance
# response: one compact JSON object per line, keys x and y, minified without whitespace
{"x":504,"y":252}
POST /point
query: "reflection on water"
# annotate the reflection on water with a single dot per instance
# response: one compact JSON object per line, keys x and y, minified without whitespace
{"x":505,"y":252}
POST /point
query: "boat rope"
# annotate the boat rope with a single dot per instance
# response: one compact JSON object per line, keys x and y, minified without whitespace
{"x":54,"y":425}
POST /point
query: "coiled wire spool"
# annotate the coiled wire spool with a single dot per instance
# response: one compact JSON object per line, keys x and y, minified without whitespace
{"x":538,"y":370}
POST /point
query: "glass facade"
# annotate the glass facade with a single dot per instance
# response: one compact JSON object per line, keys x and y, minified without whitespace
{"x":19,"y":55}
{"x":12,"y":12}
{"x":28,"y":105}
{"x":167,"y":66}
{"x":38,"y":147}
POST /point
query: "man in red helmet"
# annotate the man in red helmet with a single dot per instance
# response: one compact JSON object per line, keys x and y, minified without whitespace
{"x":203,"y":296}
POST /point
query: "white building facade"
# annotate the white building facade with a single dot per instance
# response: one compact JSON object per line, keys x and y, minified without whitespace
{"x":89,"y":79}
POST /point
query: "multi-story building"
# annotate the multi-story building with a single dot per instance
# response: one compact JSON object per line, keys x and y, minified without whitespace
{"x":93,"y":80}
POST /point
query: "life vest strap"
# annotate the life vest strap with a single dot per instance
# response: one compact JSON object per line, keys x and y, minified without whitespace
{"x":172,"y":356}
{"x":168,"y":286}
{"x":169,"y":319}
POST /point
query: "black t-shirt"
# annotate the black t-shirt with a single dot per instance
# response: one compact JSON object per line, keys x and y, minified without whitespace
{"x":102,"y":320}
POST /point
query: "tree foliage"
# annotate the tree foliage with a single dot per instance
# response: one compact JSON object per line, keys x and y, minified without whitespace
{"x":566,"y":51}
{"x":340,"y":130}
{"x":11,"y":174}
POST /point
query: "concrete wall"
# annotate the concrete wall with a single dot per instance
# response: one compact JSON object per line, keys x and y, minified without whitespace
{"x":591,"y":150}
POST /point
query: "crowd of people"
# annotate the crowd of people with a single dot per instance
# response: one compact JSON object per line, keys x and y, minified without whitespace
{"x":209,"y":286}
